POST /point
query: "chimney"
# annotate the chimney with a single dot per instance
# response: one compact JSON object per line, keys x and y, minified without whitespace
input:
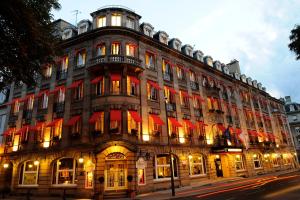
{"x":288,"y":99}
{"x":234,"y":67}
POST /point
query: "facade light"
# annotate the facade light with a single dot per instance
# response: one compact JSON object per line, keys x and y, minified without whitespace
{"x":5,"y":165}
{"x":36,"y":163}
{"x":80,"y":160}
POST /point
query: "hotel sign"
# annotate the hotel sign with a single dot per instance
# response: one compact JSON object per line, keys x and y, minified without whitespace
{"x":227,"y":150}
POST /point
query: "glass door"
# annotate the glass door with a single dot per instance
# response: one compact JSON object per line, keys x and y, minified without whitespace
{"x":115,"y":175}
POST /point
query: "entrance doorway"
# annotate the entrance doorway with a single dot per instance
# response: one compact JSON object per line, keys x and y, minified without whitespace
{"x":115,"y":172}
{"x":218,"y":164}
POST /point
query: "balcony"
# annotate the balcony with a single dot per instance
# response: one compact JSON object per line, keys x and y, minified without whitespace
{"x":40,"y":116}
{"x":171,"y":107}
{"x":226,"y":144}
{"x":168,"y":77}
{"x":194,"y":85}
{"x":59,"y":107}
{"x":115,"y":59}
{"x":61,"y":75}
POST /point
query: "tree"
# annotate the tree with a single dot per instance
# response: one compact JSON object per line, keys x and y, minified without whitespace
{"x":295,"y":41}
{"x":26,"y":39}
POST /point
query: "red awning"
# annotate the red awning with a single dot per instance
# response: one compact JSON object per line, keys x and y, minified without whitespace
{"x":155,"y":85}
{"x":115,"y":115}
{"x":56,"y":89}
{"x":95,"y":116}
{"x":115,"y":77}
{"x":26,"y":97}
{"x":41,"y":93}
{"x":175,"y":122}
{"x":221,"y":127}
{"x":97,"y":80}
{"x":8,"y":132}
{"x":22,"y":130}
{"x":238,"y":131}
{"x":134,"y":80}
{"x":185,"y":94}
{"x":199,"y":98}
{"x":73,"y":120}
{"x":253,"y":133}
{"x":172,"y":90}
{"x":271,"y":135}
{"x":75,"y":84}
{"x":12,"y":101}
{"x":37,"y":126}
{"x":157,"y":119}
{"x":183,"y":68}
{"x":54,"y":122}
{"x":189,"y":123}
{"x":135,"y":115}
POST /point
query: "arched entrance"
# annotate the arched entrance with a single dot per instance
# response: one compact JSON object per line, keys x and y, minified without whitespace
{"x":115,"y":172}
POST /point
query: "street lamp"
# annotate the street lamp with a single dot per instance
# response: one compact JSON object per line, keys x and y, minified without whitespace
{"x":170,"y":150}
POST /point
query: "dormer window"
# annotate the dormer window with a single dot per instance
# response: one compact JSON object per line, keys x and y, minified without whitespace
{"x":148,"y":32}
{"x":116,"y":20}
{"x":101,"y":50}
{"x":130,"y":23}
{"x":115,"y":48}
{"x":82,"y":28}
{"x":130,"y":50}
{"x":67,"y":34}
{"x":101,"y":22}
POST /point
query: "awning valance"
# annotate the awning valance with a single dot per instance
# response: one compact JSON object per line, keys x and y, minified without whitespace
{"x":115,"y":77}
{"x":41,"y":93}
{"x":75,"y":84}
{"x":174,"y":122}
{"x":54,"y":122}
{"x":57,"y":88}
{"x":73,"y":120}
{"x":95,"y":116}
{"x":157,"y":119}
{"x":135,"y":115}
{"x":153,"y":84}
{"x":37,"y":126}
{"x":22,"y":130}
{"x":189,"y":123}
{"x":172,"y":90}
{"x":185,"y":94}
{"x":199,"y":98}
{"x":97,"y":80}
{"x":115,"y":115}
{"x":134,"y":80}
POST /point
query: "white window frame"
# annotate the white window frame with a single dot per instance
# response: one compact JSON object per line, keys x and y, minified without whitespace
{"x":61,"y":96}
{"x":36,"y":172}
{"x":101,"y":21}
{"x":259,"y":160}
{"x":68,"y":170}
{"x":165,"y":165}
{"x":130,"y":23}
{"x":45,"y":101}
{"x":201,"y":163}
{"x":144,"y":169}
{"x":116,"y":19}
{"x":239,"y":161}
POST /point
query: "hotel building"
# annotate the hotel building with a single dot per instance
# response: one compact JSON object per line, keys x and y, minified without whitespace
{"x":103,"y":118}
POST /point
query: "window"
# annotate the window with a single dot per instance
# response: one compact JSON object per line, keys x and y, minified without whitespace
{"x":67,"y":34}
{"x":166,"y":67}
{"x":30,"y":102}
{"x":130,"y":50}
{"x":44,"y":103}
{"x":169,"y":95}
{"x":80,"y":58}
{"x":115,"y":48}
{"x":155,"y":124}
{"x":64,"y":171}
{"x":99,"y":123}
{"x":82,"y":29}
{"x":100,"y":88}
{"x":196,"y":165}
{"x":257,"y":161}
{"x":162,"y":167}
{"x":47,"y":71}
{"x":89,"y":174}
{"x":149,"y":60}
{"x":116,"y":20}
{"x":276,"y":160}
{"x":141,"y":176}
{"x":180,"y":73}
{"x":78,"y":92}
{"x":184,"y":99}
{"x":24,"y":134}
{"x":56,"y":130}
{"x":132,"y":86}
{"x":192,"y":76}
{"x":115,"y":121}
{"x":64,"y":63}
{"x":130,"y":23}
{"x":133,"y":123}
{"x":61,"y":95}
{"x":115,"y":84}
{"x":101,"y":50}
{"x":239,"y":163}
{"x":29,"y":173}
{"x":152,"y":92}
{"x":16,"y":107}
{"x":101,"y":22}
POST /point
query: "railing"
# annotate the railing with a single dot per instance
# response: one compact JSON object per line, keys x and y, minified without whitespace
{"x":171,"y":107}
{"x":167,"y":77}
{"x":194,"y":85}
{"x":61,"y":75}
{"x":59,"y":107}
{"x":27,"y":115}
{"x":198,"y":112}
{"x":115,"y":59}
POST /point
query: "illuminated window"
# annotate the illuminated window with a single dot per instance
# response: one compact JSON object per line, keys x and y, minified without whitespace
{"x":133,"y":125}
{"x":276,"y":160}
{"x":89,"y":179}
{"x":166,"y":67}
{"x":30,"y":102}
{"x":154,"y":127}
{"x":47,"y":71}
{"x":141,"y":176}
{"x":170,"y":97}
{"x":130,"y":50}
{"x":101,"y":22}
{"x":78,"y":92}
{"x":57,"y":130}
{"x":130,"y":23}
{"x":115,"y":48}
{"x":61,"y":95}
{"x":192,"y":76}
{"x":149,"y":60}
{"x":132,"y":86}
{"x":180,"y":73}
{"x":257,"y":161}
{"x":100,"y":88}
{"x":101,"y":50}
{"x":239,"y":163}
{"x":115,"y":121}
{"x":196,"y":165}
{"x":64,"y":172}
{"x":76,"y":128}
{"x":80,"y":58}
{"x":44,"y":103}
{"x":25,"y":134}
{"x":16,"y":107}
{"x":64,"y":63}
{"x":99,"y":123}
{"x":29,"y":173}
{"x":152,"y":92}
{"x":162,"y":167}
{"x":184,"y":99}
{"x":116,"y":20}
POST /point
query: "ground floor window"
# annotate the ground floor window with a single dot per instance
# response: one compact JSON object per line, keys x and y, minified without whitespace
{"x":64,"y":171}
{"x":239,"y":163}
{"x":162,"y":167}
{"x":196,"y":165}
{"x":89,"y":179}
{"x":29,"y":173}
{"x":276,"y":160}
{"x":142,"y":176}
{"x":257,"y":161}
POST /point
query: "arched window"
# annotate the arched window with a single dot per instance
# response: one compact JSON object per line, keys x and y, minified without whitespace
{"x":64,"y":171}
{"x":196,"y":165}
{"x":162,"y":166}
{"x":29,"y":173}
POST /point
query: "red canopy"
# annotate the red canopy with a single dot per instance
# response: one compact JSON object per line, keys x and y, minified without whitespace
{"x":73,"y":120}
{"x":8,"y":131}
{"x":41,"y":93}
{"x":115,"y":115}
{"x":54,"y":122}
{"x":26,"y":97}
{"x":253,"y":133}
{"x":199,"y":98}
{"x":56,"y":89}
{"x":238,"y":131}
{"x":185,"y":94}
{"x":13,"y":101}
{"x":155,"y":85}
{"x":175,"y":122}
{"x":95,"y":116}
{"x":135,"y":115}
{"x":37,"y":126}
{"x":115,"y":77}
{"x":134,"y":80}
{"x":157,"y":119}
{"x":189,"y":123}
{"x":172,"y":90}
{"x":22,"y":130}
{"x":271,"y":135}
{"x":97,"y":80}
{"x":221,"y":127}
{"x":75,"y":84}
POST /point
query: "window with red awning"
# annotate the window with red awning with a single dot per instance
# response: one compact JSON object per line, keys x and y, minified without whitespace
{"x":97,"y":80}
{"x":185,"y":94}
{"x":135,"y":115}
{"x":115,"y":115}
{"x":95,"y":117}
{"x":54,"y":122}
{"x":57,"y":89}
{"x":41,"y":93}
{"x":72,"y":121}
{"x":75,"y":84}
{"x":37,"y":126}
{"x":153,"y":84}
{"x":174,"y":122}
{"x":134,"y":80}
{"x":157,"y":119}
{"x":172,"y":90}
{"x":115,"y":77}
{"x":189,"y":123}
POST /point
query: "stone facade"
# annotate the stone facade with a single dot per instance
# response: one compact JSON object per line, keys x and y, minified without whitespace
{"x":106,"y":109}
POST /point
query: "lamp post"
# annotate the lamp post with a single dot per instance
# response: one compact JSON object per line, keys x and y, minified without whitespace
{"x":170,"y":151}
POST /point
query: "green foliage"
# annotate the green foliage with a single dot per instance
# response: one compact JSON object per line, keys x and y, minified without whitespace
{"x":295,"y":41}
{"x":26,"y":40}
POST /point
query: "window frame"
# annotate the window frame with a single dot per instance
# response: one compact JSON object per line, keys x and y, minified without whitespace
{"x":23,"y":172}
{"x":57,"y":171}
{"x":257,"y":159}
{"x":175,"y":167}
{"x":116,"y":19}
{"x":202,"y":164}
{"x":241,"y":161}
{"x":103,"y":21}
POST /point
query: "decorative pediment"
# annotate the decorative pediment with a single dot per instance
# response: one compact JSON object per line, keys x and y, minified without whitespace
{"x":175,"y":44}
{"x":162,"y":36}
{"x":187,"y":50}
{"x":147,"y":29}
{"x":243,"y":78}
{"x":208,"y":60}
{"x":198,"y":55}
{"x":217,"y":65}
{"x":249,"y":80}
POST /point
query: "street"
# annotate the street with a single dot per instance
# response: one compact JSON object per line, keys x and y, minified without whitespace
{"x":283,"y":187}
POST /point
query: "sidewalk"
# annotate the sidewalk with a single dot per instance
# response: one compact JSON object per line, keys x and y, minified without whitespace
{"x":166,"y":194}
